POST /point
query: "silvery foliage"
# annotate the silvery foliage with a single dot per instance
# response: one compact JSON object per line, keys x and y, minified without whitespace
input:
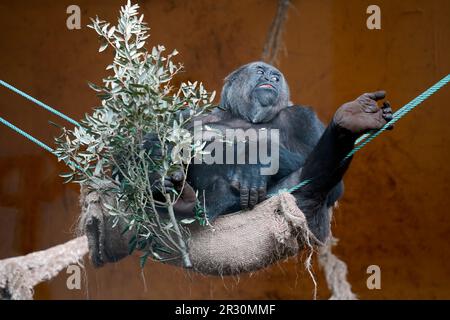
{"x":136,"y":99}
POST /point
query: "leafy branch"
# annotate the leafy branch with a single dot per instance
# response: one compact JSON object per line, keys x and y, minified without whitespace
{"x":106,"y":152}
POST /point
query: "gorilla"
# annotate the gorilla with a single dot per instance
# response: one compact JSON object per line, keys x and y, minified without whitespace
{"x":256,"y":96}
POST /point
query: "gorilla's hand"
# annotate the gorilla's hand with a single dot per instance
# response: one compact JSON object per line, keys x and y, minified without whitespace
{"x":363,"y":114}
{"x":246,"y":179}
{"x":184,"y":206}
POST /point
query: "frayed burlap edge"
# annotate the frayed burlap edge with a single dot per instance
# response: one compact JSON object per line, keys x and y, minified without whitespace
{"x":272,"y":231}
{"x":233,"y":244}
{"x":19,"y":275}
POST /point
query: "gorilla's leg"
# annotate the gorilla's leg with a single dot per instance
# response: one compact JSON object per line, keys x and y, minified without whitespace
{"x":220,"y":199}
{"x":325,"y":169}
{"x":314,"y":205}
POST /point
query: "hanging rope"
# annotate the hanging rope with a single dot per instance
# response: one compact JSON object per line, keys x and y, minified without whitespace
{"x":273,"y":41}
{"x":335,"y":272}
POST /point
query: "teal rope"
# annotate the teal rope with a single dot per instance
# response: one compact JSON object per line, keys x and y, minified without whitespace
{"x":366,"y":138}
{"x":39,"y":103}
{"x":359,"y":144}
{"x":26,"y":135}
{"x":33,"y":139}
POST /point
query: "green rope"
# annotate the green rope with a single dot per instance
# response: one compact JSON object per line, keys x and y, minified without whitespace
{"x":26,"y":135}
{"x":36,"y":141}
{"x":359,"y":144}
{"x":43,"y":105}
{"x":39,"y":103}
{"x":366,"y":138}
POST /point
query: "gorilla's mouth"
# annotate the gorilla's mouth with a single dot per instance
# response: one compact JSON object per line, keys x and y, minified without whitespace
{"x":266,"y":85}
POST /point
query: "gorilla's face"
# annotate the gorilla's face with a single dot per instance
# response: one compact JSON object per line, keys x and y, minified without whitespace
{"x":256,"y":92}
{"x":267,"y":88}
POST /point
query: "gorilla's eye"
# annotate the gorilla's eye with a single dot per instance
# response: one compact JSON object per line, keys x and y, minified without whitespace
{"x":260,"y":71}
{"x":275,"y":78}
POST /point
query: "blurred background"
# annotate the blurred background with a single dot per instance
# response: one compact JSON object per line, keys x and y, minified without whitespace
{"x":394,"y":213}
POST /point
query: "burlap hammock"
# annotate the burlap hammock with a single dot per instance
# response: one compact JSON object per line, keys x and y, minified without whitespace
{"x":236,"y":243}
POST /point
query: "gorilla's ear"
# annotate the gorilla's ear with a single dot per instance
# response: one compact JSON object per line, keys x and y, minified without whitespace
{"x":235,"y":74}
{"x":224,"y":103}
{"x":228,"y":83}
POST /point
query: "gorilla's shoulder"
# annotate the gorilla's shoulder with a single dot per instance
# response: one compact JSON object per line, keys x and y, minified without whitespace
{"x":304,"y":112}
{"x":299,"y":114}
{"x":302,"y":121}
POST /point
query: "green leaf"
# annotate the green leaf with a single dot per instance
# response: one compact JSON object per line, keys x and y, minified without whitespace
{"x":135,"y":98}
{"x":132,"y":243}
{"x":95,"y":87}
{"x":187,"y":221}
{"x":66,"y":175}
{"x":143,"y":260}
{"x":111,"y":31}
{"x":103,"y":46}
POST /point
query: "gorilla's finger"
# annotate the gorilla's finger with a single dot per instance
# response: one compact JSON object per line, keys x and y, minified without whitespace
{"x":168,"y":183}
{"x":386,"y":106}
{"x":387,"y":116}
{"x":387,"y":113}
{"x":253,"y":199}
{"x":177,"y":176}
{"x":387,"y":110}
{"x":235,"y":184}
{"x":377,"y":95}
{"x":244,"y":197}
{"x":371,"y":108}
{"x":235,"y":179}
{"x":262,"y":193}
{"x":188,"y":193}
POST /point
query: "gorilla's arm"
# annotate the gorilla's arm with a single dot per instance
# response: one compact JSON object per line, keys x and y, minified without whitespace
{"x":325,"y":165}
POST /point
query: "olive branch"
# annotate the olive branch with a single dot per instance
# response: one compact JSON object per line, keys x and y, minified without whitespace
{"x":106,"y":151}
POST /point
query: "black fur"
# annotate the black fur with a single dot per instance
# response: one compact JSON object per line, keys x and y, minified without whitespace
{"x":308,"y":149}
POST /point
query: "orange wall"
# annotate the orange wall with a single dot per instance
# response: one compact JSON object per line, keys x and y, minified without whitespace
{"x":394,"y":213}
